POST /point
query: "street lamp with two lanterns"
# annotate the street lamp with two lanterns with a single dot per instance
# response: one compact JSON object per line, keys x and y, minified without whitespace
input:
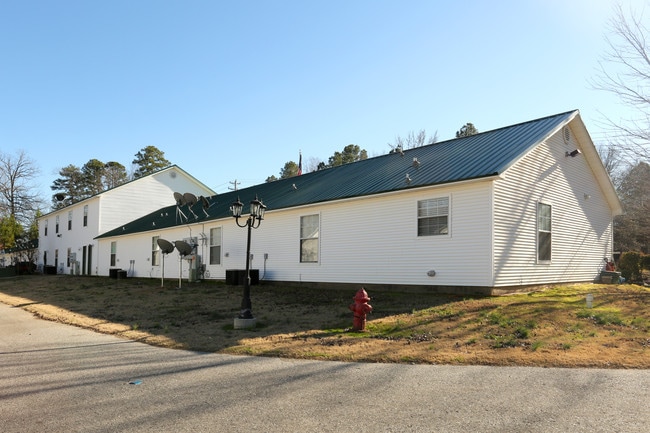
{"x":257,"y":209}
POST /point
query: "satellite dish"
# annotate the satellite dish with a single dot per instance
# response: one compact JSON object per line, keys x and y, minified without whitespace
{"x":166,"y":246}
{"x":183,"y":248}
{"x":190,"y":198}
{"x":180,"y":200}
{"x":59,"y":196}
{"x":204,"y":202}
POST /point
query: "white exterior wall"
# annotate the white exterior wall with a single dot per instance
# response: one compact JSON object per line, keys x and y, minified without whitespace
{"x":106,"y":211}
{"x":371,"y":240}
{"x":74,"y":238}
{"x":143,"y":196}
{"x":581,"y":219}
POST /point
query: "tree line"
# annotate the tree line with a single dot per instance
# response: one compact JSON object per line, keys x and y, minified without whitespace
{"x":79,"y":183}
{"x":353,"y":153}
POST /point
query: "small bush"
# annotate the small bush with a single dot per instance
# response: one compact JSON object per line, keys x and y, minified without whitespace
{"x":521,"y":333}
{"x":630,"y":265}
{"x":645,"y":262}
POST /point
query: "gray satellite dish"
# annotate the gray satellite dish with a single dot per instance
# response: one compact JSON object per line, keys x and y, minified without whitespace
{"x":180,"y":200}
{"x":205,"y":204}
{"x":190,"y":198}
{"x":166,"y":246}
{"x":183,"y":248}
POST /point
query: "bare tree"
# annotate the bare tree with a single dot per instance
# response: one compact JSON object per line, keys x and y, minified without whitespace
{"x":17,"y":191}
{"x":625,"y":72}
{"x":412,"y":140}
{"x":613,"y":161}
{"x":632,"y":229}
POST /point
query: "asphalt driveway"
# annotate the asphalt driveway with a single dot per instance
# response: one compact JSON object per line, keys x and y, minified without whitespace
{"x":58,"y":378}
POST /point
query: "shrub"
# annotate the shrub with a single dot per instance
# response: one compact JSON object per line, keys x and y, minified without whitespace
{"x":645,"y":262}
{"x":630,"y":265}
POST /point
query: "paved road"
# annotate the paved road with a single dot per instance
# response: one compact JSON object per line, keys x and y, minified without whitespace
{"x":58,"y":378}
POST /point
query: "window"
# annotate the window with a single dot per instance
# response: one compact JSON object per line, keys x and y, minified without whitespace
{"x":215,"y":246}
{"x":309,"y":233}
{"x":45,"y":227}
{"x":433,"y":217}
{"x":155,"y":251}
{"x":544,"y":232}
{"x":86,"y":216}
{"x":113,"y":253}
{"x":56,"y":226}
{"x":69,"y":257}
{"x":69,"y":220}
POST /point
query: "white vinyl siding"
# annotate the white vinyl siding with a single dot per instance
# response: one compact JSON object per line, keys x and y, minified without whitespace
{"x":581,"y":220}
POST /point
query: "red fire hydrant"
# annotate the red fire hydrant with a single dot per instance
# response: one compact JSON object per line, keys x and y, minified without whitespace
{"x":360,"y":308}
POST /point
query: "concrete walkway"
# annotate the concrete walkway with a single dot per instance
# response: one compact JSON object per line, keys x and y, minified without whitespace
{"x":58,"y":378}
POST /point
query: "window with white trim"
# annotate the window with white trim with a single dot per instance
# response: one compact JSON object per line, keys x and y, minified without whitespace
{"x":113,"y":253}
{"x":85,"y":215}
{"x":544,"y":234}
{"x":155,"y":251}
{"x":309,"y":238}
{"x":433,"y":216}
{"x":215,"y":246}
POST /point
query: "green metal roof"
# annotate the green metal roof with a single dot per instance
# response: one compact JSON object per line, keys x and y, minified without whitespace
{"x":477,"y":156}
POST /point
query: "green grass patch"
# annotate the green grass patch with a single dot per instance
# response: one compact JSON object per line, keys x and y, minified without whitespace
{"x":611,"y":317}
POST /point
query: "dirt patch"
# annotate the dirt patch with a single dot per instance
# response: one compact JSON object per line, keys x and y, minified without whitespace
{"x":549,"y":328}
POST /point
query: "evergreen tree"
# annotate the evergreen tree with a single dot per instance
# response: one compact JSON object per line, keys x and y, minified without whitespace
{"x":466,"y":130}
{"x":290,"y":169}
{"x":114,"y":175}
{"x":69,"y":188}
{"x":92,"y":177}
{"x":350,"y":153}
{"x":149,"y":160}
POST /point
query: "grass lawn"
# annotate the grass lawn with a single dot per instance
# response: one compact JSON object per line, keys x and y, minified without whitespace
{"x":552,"y":328}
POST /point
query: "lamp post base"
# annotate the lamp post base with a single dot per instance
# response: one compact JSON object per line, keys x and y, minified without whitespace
{"x":245,"y":323}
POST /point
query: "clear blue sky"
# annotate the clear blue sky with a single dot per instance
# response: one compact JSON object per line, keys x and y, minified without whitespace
{"x":233,"y":90}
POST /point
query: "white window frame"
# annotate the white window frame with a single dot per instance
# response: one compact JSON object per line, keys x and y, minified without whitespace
{"x":155,"y":251}
{"x":310,"y":237}
{"x":544,"y":229}
{"x":113,"y":261}
{"x":434,"y":208}
{"x":216,"y":242}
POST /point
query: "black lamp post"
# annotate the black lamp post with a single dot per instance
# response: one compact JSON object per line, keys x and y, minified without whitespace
{"x":252,"y":222}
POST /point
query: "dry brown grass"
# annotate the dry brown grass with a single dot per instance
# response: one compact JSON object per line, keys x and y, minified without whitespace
{"x":547,"y":328}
